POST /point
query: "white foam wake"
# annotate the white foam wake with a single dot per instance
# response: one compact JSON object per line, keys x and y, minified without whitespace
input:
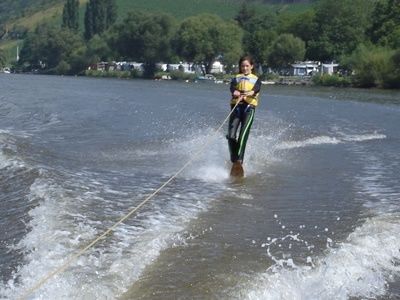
{"x":319,"y":140}
{"x":57,"y":230}
{"x":363,"y":137}
{"x":8,"y":150}
{"x":326,"y":140}
{"x":359,"y":267}
{"x":4,"y":161}
{"x":208,"y":155}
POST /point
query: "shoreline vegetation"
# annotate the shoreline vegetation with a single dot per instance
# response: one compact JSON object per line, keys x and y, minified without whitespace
{"x":317,"y":80}
{"x":333,"y":80}
{"x":356,"y":43}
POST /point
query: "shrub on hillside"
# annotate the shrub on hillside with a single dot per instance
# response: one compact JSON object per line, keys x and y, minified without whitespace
{"x":177,"y":75}
{"x":373,"y":67}
{"x":109,"y":73}
{"x":392,"y":78}
{"x":331,"y":80}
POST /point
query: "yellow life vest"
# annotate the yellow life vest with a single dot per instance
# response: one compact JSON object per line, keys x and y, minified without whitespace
{"x":245,"y":83}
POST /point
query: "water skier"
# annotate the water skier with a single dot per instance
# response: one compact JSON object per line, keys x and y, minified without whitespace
{"x":245,"y":89}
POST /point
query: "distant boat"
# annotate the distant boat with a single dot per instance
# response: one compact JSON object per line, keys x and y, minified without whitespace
{"x":7,"y":70}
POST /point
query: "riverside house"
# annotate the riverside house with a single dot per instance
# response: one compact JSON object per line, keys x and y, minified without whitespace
{"x":308,"y":68}
{"x":185,"y":67}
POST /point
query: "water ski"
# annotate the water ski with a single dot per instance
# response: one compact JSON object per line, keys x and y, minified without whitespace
{"x":237,"y":170}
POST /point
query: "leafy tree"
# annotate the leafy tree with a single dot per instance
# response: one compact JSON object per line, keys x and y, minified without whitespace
{"x":47,"y":46}
{"x":259,"y":31}
{"x":341,"y":26}
{"x":78,"y":60}
{"x":259,"y":44}
{"x":2,"y":58}
{"x":94,"y":18}
{"x":261,"y":21}
{"x":3,"y":30}
{"x":302,"y":26}
{"x":111,"y":12}
{"x":385,"y":25}
{"x":70,"y":16}
{"x":98,"y":50}
{"x":374,"y":66}
{"x":89,"y":21}
{"x":203,"y":38}
{"x":285,"y":50}
{"x":99,"y":16}
{"x":392,"y":79}
{"x":62,"y":68}
{"x":144,"y":37}
{"x":245,"y":14}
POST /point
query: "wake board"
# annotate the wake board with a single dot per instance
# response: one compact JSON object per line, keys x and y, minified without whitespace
{"x":237,"y":170}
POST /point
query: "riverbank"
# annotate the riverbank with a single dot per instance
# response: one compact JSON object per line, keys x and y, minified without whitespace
{"x":316,"y":80}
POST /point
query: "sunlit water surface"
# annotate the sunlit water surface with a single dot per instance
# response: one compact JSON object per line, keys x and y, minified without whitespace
{"x":317,"y":215}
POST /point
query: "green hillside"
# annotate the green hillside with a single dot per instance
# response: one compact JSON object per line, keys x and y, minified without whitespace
{"x":178,"y":8}
{"x":181,"y":8}
{"x":9,"y":49}
{"x":15,"y":16}
{"x":184,"y":8}
{"x":15,"y":9}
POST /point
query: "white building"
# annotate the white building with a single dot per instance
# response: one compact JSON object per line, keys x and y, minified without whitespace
{"x":182,"y":66}
{"x":305,"y":68}
{"x":116,"y":66}
{"x":329,"y":68}
{"x":217,"y":67}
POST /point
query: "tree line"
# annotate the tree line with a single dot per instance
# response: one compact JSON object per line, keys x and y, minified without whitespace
{"x":362,"y":35}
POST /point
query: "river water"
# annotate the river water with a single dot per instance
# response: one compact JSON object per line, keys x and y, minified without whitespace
{"x":317,"y":215}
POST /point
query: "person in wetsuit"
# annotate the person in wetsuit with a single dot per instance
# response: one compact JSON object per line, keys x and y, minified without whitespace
{"x":245,"y":89}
